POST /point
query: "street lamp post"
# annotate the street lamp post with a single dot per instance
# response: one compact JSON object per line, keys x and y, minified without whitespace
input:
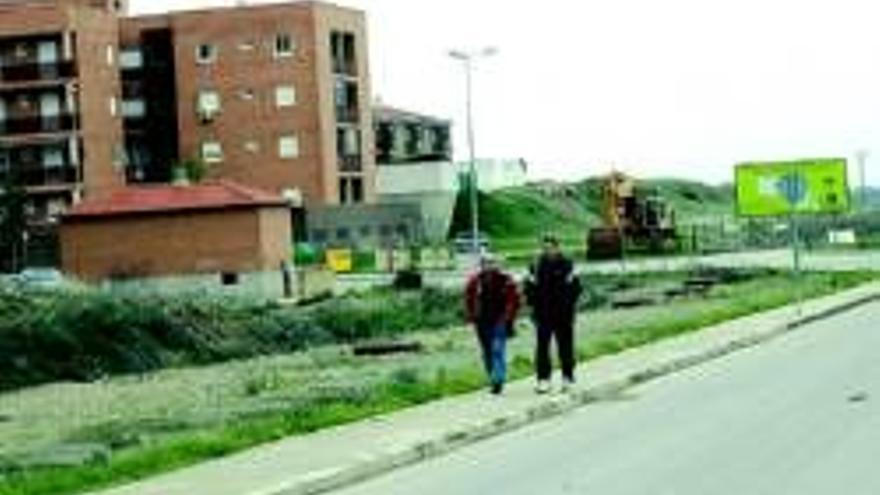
{"x":468,"y":60}
{"x":862,"y":157}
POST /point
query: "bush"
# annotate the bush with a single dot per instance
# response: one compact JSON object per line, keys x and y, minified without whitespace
{"x":86,"y":335}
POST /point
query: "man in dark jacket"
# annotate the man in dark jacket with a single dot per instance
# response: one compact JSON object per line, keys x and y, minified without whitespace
{"x":552,"y":290}
{"x":492,"y":302}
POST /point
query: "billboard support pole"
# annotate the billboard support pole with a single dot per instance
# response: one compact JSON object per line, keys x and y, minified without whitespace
{"x":796,"y":259}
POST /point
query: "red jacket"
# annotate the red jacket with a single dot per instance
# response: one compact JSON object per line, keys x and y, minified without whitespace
{"x":491,"y":297}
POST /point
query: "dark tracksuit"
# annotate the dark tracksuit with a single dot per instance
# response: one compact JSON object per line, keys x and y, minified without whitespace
{"x":492,"y":302}
{"x":553,"y":290}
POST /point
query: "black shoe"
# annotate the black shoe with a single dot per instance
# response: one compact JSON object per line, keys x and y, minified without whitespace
{"x":497,"y":388}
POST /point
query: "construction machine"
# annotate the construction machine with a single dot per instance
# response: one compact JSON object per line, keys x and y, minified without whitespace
{"x":634,"y":218}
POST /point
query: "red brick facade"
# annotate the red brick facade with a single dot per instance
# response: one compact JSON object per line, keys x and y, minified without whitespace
{"x":209,"y":229}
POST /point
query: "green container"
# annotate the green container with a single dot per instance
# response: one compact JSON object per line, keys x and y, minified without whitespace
{"x":305,"y":254}
{"x":364,"y":261}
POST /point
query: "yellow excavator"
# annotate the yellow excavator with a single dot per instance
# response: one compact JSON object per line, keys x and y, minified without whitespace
{"x":634,"y":219}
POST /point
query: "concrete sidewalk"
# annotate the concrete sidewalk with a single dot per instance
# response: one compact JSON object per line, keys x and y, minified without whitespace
{"x":340,"y":456}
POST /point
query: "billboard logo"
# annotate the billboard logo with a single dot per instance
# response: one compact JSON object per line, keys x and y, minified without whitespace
{"x":793,"y":187}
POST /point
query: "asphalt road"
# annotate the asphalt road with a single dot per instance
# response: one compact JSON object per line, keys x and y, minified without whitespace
{"x":780,"y":258}
{"x":800,"y":415}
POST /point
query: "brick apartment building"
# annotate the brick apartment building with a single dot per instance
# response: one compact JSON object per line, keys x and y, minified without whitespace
{"x":273,"y":96}
{"x":61,"y":131}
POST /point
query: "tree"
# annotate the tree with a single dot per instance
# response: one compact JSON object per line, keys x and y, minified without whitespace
{"x":461,"y":216}
{"x":192,"y":170}
{"x":13,"y":224}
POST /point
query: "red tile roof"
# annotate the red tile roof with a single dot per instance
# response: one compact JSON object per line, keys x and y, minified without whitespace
{"x":167,"y":198}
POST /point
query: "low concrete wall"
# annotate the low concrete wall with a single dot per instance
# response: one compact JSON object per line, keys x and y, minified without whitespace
{"x":305,"y":284}
{"x":269,"y":284}
{"x":314,"y":283}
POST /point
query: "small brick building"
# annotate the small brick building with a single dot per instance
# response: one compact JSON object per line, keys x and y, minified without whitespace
{"x":213,"y":235}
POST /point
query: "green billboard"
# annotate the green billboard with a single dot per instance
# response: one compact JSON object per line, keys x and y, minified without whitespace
{"x":783,"y":188}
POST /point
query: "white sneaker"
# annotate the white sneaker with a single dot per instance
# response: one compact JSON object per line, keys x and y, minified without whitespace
{"x":543,"y":387}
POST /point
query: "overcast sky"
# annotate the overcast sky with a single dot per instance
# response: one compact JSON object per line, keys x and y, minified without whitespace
{"x":678,"y":87}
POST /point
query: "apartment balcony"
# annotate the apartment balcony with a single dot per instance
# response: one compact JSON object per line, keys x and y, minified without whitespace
{"x":39,"y":177}
{"x":342,"y":67}
{"x":351,"y":163}
{"x":35,"y":124}
{"x":36,"y":73}
{"x":347,"y":115}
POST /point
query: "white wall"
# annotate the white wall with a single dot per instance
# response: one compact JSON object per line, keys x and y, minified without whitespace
{"x":494,"y":174}
{"x":432,"y":186}
{"x":416,"y":178}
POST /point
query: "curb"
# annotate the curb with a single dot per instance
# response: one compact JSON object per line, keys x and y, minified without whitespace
{"x":327,"y":481}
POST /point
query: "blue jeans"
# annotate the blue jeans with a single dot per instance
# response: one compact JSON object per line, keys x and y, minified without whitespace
{"x":493,"y":344}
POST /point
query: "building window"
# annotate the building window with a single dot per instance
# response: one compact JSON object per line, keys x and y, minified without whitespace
{"x":284,"y":46}
{"x":357,"y":190}
{"x":342,"y":49}
{"x":229,"y":279}
{"x":5,"y":159}
{"x":134,"y":108}
{"x":343,"y":234}
{"x":366,"y":231}
{"x":212,"y":152}
{"x":348,"y":141}
{"x":206,"y":53}
{"x":343,"y":191}
{"x":319,"y":235}
{"x":208,"y":105}
{"x":288,"y":147}
{"x":285,"y":96}
{"x":53,"y":157}
{"x":131,"y":58}
{"x":47,"y":52}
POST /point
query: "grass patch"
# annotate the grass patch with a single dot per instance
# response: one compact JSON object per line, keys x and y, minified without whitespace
{"x":516,"y":217}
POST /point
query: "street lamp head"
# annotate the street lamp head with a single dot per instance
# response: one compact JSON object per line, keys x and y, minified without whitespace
{"x":458,"y":55}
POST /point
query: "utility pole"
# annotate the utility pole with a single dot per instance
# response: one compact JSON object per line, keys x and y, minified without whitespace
{"x":468,"y":59}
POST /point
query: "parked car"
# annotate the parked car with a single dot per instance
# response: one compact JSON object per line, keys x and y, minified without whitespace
{"x":463,"y":242}
{"x":35,"y":278}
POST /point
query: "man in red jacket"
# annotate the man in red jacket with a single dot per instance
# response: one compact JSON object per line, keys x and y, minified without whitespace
{"x":492,"y":302}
